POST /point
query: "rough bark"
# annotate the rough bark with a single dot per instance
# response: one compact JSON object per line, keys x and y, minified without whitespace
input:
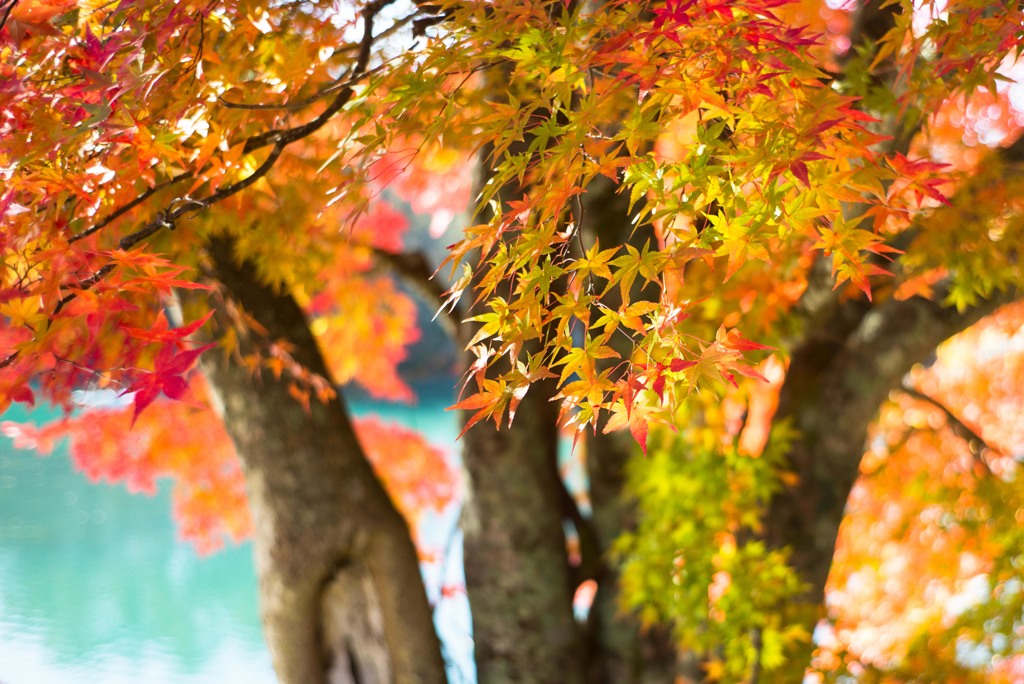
{"x":836,"y":382}
{"x":518,"y":578}
{"x":517,"y":573}
{"x":621,"y":652}
{"x":854,"y":354}
{"x":341,"y":596}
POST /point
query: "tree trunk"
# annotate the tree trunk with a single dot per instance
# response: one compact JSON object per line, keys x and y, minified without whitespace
{"x":623,"y":653}
{"x":836,"y":382}
{"x":341,"y":596}
{"x":517,"y":572}
{"x":518,"y":578}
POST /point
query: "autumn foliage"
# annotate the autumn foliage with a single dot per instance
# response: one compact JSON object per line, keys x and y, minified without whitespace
{"x":910,"y":581}
{"x":674,"y":197}
{"x":199,"y":136}
{"x":186,"y":441}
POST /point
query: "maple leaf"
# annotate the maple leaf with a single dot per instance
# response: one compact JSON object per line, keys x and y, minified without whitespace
{"x":799,"y":169}
{"x":39,"y":11}
{"x":489,"y":402}
{"x":595,"y":261}
{"x":160,"y":331}
{"x":720,"y":151}
{"x":23,"y":395}
{"x":638,"y":427}
{"x":168,"y":377}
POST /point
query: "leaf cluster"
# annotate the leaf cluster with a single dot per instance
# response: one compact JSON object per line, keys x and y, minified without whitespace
{"x":696,"y":563}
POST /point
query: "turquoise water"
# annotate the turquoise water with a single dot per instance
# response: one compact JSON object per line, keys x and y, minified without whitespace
{"x":95,"y":586}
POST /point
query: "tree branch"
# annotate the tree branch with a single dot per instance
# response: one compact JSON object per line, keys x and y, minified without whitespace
{"x":306,"y":101}
{"x":414,"y":270}
{"x":975,"y":442}
{"x":831,"y":393}
{"x":124,"y":209}
{"x":278,"y":138}
{"x":8,"y":7}
{"x":343,"y":81}
{"x":872,"y":19}
{"x":286,"y":136}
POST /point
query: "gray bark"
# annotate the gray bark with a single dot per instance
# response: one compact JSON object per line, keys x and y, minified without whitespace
{"x":518,"y":578}
{"x":340,"y":591}
{"x":854,"y":354}
{"x":836,"y":382}
{"x":517,"y":572}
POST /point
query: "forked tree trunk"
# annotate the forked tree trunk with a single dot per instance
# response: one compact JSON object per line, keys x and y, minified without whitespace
{"x":836,"y":382}
{"x":341,"y":596}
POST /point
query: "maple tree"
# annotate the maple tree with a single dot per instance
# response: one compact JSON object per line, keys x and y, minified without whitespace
{"x":670,"y":193}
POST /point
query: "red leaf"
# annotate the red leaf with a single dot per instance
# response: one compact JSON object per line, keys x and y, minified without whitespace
{"x":813,"y":156}
{"x":659,"y":386}
{"x":824,"y":126}
{"x":749,"y":372}
{"x":156,"y":333}
{"x":174,"y":386}
{"x":638,"y":428}
{"x":23,"y":395}
{"x":143,"y":398}
{"x":735,"y":340}
{"x":9,"y":293}
{"x":160,"y":332}
{"x":799,"y":169}
{"x":181,"y":362}
{"x":194,"y":325}
{"x":858,"y":115}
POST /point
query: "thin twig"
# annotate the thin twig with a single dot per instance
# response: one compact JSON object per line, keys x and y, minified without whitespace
{"x":343,"y":81}
{"x":99,"y":374}
{"x":306,"y":101}
{"x":197,"y":58}
{"x":289,"y":135}
{"x":7,"y":12}
{"x":168,"y":218}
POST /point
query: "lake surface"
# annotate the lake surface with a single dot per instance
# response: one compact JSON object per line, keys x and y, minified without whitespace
{"x":96,"y":587}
